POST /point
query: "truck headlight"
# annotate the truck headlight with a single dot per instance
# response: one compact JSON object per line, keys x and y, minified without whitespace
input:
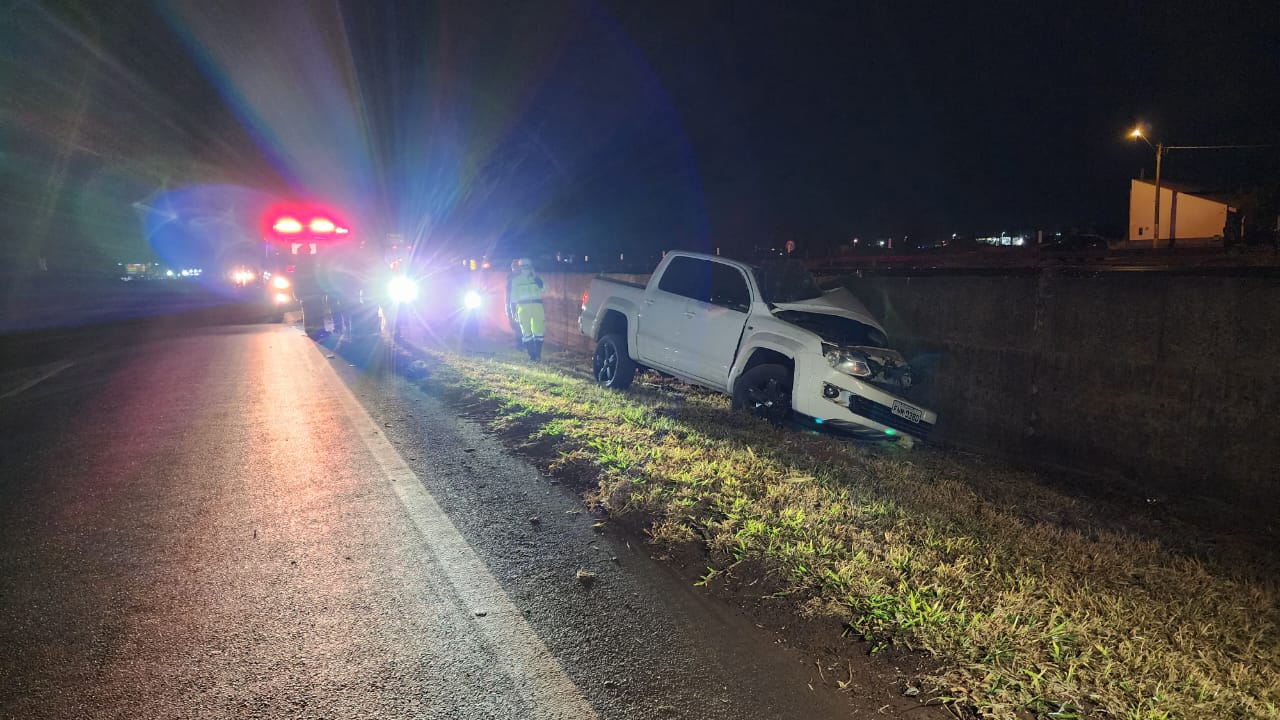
{"x":402,"y":290}
{"x":472,"y":300}
{"x":280,"y":282}
{"x":849,"y":363}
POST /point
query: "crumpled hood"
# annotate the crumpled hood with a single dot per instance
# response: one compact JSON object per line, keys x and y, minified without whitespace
{"x":839,"y":302}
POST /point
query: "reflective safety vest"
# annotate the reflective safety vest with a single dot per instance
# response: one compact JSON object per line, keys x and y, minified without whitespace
{"x":526,"y":289}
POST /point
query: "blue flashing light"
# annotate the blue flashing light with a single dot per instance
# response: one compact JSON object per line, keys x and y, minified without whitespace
{"x":818,"y":420}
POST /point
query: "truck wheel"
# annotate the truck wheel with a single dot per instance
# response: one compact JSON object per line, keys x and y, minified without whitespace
{"x":764,"y":391}
{"x":612,"y":366}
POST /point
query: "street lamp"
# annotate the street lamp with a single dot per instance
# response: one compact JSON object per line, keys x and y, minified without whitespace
{"x":1161,"y":149}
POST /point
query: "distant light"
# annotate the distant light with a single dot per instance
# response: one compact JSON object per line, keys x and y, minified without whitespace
{"x":1137,"y":133}
{"x":341,"y":231}
{"x":288,"y":226}
{"x":890,"y":431}
{"x":322,"y":225}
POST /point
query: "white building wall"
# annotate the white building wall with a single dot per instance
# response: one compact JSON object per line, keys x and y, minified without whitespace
{"x":1198,"y":219}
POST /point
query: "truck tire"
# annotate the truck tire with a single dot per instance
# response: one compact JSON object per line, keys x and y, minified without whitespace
{"x":612,"y":365}
{"x":764,"y":391}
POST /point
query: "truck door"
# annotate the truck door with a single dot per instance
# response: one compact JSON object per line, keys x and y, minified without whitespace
{"x":661,"y":319}
{"x":714,"y":323}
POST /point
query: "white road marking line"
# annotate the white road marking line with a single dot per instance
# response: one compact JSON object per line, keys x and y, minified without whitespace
{"x":548,"y":690}
{"x":32,"y":383}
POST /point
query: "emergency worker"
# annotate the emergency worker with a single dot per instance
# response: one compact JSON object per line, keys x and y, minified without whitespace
{"x":351,"y":299}
{"x":526,"y":296}
{"x":512,"y":320}
{"x":310,"y":292}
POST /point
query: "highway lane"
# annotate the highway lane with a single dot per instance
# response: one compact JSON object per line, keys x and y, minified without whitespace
{"x":208,"y":522}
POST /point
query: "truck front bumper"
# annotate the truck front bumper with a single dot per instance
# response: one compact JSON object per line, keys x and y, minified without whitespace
{"x":861,"y":408}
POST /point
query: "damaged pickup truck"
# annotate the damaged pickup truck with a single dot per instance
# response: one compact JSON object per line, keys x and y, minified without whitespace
{"x":768,"y":336}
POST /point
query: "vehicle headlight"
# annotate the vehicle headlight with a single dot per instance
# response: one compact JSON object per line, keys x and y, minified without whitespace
{"x":281,"y":298}
{"x":280,"y":282}
{"x":402,"y":290}
{"x":472,"y":300}
{"x":849,"y":363}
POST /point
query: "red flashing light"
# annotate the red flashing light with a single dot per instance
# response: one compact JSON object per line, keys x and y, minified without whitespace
{"x":585,"y":293}
{"x":289,"y":222}
{"x":287,"y":226}
{"x":322,"y":225}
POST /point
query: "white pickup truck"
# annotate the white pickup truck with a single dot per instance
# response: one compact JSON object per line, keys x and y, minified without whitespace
{"x":768,"y":336}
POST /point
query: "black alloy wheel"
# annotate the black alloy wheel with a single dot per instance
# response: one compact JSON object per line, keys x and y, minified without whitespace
{"x":611,"y":366}
{"x":765,"y":391}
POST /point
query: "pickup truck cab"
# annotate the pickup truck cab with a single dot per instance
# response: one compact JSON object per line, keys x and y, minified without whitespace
{"x":766,"y":335}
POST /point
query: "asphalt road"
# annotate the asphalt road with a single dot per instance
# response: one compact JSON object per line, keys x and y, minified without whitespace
{"x":231,"y":521}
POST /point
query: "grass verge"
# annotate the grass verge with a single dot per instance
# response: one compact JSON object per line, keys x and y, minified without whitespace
{"x":1026,"y":601}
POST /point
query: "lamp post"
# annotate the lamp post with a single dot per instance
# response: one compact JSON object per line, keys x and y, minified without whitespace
{"x":1161,"y":149}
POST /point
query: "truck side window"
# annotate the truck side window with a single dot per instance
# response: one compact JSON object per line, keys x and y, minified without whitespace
{"x":689,"y":277}
{"x":729,"y":288}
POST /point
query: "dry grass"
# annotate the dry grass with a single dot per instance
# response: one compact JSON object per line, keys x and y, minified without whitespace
{"x":1026,"y":602}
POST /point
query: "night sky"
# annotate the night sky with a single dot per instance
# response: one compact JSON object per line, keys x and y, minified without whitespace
{"x":619,"y":126}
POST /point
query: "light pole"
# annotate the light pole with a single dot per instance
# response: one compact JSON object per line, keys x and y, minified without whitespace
{"x":1161,"y":149}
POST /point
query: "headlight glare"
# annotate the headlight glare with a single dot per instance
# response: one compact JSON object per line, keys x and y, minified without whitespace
{"x":472,"y":300}
{"x":280,"y":282}
{"x":402,"y":290}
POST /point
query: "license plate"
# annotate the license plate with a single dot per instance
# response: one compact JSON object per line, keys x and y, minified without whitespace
{"x":910,"y":412}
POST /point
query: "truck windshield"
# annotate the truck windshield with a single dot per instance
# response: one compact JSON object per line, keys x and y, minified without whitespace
{"x":784,"y":281}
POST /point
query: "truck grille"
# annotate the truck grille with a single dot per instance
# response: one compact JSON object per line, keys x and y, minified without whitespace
{"x":883,"y":414}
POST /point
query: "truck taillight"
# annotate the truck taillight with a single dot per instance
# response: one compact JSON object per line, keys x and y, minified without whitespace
{"x":585,"y":293}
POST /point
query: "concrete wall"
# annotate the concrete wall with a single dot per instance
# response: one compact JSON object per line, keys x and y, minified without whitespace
{"x":1165,"y":379}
